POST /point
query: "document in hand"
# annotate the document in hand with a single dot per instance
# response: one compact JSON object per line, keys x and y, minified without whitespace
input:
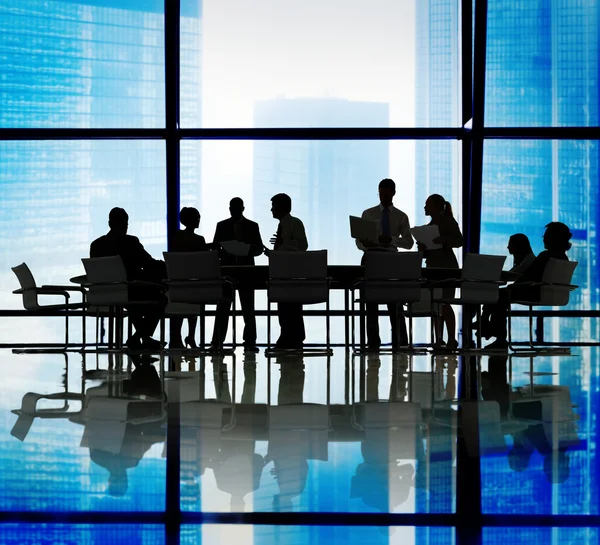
{"x":361,"y":229}
{"x":235,"y":247}
{"x":425,"y":235}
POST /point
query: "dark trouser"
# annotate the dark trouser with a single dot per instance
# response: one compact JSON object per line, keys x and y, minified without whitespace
{"x":291,"y":323}
{"x":396,"y":313}
{"x":176,"y":323}
{"x":246,"y":296}
{"x":494,"y":317}
{"x":145,"y":318}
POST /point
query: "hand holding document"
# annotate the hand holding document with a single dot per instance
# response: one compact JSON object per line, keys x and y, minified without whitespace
{"x":361,"y":229}
{"x":235,"y":247}
{"x":425,"y":234}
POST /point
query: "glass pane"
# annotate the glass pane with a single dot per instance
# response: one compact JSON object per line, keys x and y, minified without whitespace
{"x":529,"y":183}
{"x":306,"y":439}
{"x":524,"y":536}
{"x":94,"y":63}
{"x":393,"y":64}
{"x":82,"y":534}
{"x":542,"y":63}
{"x":537,"y":431}
{"x":319,"y":535}
{"x":90,"y":438}
{"x":55,"y":197}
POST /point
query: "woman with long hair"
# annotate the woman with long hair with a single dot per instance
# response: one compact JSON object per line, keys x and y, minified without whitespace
{"x":186,"y":241}
{"x":440,"y":211}
{"x":520,"y":248}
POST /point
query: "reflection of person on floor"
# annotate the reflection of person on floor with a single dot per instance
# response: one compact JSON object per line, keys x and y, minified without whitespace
{"x":138,"y":438}
{"x":398,"y":382}
{"x":238,"y":468}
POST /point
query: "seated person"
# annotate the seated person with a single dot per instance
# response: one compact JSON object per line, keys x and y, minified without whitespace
{"x":493,"y":320}
{"x":186,"y":241}
{"x":523,"y":256}
{"x":140,"y":265}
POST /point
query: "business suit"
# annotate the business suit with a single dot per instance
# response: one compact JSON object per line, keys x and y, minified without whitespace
{"x":291,"y":236}
{"x":398,"y":227}
{"x":248,"y":232}
{"x":139,"y":265}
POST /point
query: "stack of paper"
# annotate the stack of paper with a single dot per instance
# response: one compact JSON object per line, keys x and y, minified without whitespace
{"x":235,"y":247}
{"x":362,"y":229}
{"x":425,"y":235}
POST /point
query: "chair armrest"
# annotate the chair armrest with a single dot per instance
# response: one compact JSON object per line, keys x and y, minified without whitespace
{"x":541,"y":284}
{"x":63,"y":288}
{"x":147,"y":284}
{"x":43,"y":291}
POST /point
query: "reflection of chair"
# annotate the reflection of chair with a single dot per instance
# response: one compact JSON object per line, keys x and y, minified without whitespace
{"x":299,"y":430}
{"x":394,"y":427}
{"x":479,"y":284}
{"x":299,"y":277}
{"x":195,"y":280}
{"x":30,"y":291}
{"x":390,"y":278}
{"x":108,"y":287}
{"x":555,"y":289}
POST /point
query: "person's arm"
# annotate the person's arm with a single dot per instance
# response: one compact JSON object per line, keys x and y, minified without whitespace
{"x":404,"y":239}
{"x":535,"y":271}
{"x":256,"y":243}
{"x":450,"y":235}
{"x":140,"y":255}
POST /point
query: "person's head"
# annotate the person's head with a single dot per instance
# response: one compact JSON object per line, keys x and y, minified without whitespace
{"x":557,"y":237}
{"x":519,"y":246}
{"x":117,"y":483}
{"x":387,"y":190}
{"x":281,"y":205}
{"x":436,"y":205}
{"x":118,"y":220}
{"x":236,"y":208}
{"x":189,"y":217}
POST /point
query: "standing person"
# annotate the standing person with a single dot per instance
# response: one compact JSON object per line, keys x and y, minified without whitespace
{"x":290,"y":236}
{"x":394,"y":233}
{"x":139,"y":265}
{"x":186,"y":241}
{"x":440,"y":211}
{"x":238,"y":227}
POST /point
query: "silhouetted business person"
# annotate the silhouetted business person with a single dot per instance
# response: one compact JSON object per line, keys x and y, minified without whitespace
{"x":238,"y":227}
{"x":394,"y":233}
{"x":140,"y":265}
{"x":290,"y":236}
{"x":186,"y":241}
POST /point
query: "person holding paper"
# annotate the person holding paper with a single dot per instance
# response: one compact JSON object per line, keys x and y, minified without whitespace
{"x":290,"y":236}
{"x":186,"y":241}
{"x":394,"y":233}
{"x":440,"y":211}
{"x":239,"y":229}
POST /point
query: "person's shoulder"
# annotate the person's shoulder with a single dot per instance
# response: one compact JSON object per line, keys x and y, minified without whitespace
{"x":251,"y":223}
{"x":131,"y":239}
{"x":224,"y":222}
{"x":371,"y":210}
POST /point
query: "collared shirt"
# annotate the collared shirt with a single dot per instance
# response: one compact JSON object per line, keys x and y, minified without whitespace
{"x":291,"y":235}
{"x":399,"y":228}
{"x":238,"y":228}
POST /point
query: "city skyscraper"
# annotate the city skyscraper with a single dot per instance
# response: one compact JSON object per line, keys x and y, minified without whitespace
{"x":326,"y":179}
{"x":86,"y":64}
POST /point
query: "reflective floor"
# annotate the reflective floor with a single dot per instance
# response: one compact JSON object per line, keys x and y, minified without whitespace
{"x":100,"y":448}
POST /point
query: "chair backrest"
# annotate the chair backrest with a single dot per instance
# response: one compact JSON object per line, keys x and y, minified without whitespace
{"x":194,"y":277}
{"x":393,"y":265}
{"x":392,"y":277}
{"x":298,"y":277}
{"x":488,"y":269}
{"x":292,"y":265}
{"x":101,"y":271}
{"x":27,"y":282}
{"x":199,"y":265}
{"x":559,"y":273}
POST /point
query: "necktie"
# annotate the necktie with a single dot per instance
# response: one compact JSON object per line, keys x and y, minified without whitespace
{"x":278,"y":240}
{"x":385,"y":222}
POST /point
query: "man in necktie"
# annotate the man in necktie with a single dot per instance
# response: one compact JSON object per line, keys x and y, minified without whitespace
{"x":290,"y":236}
{"x":394,"y":229}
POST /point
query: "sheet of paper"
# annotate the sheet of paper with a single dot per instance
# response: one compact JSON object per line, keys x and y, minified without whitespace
{"x":425,"y":235}
{"x":235,"y":247}
{"x":361,"y":229}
